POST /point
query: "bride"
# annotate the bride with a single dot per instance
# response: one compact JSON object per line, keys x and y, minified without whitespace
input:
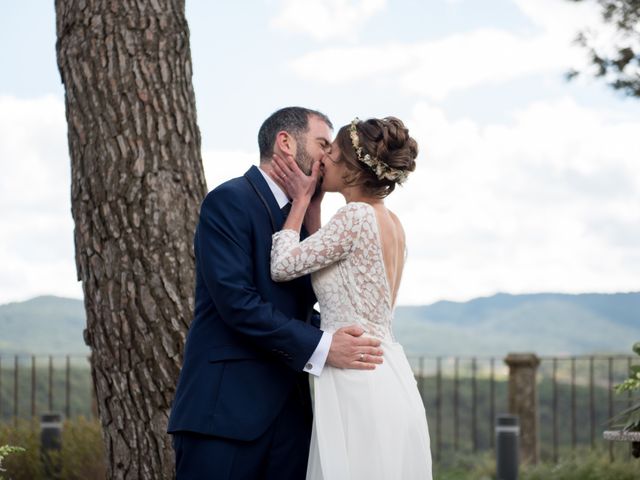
{"x":368,"y":424}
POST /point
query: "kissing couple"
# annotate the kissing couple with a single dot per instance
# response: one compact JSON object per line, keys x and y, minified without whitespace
{"x":243,"y":408}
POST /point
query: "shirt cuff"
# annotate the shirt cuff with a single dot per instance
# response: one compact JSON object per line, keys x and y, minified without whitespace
{"x":315,"y":364}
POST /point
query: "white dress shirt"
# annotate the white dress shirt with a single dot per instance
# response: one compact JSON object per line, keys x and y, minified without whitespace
{"x":315,"y":364}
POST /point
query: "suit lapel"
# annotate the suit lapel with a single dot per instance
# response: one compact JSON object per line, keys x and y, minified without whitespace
{"x":262,"y":190}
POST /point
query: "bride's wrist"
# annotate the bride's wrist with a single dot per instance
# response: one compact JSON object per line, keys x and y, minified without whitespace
{"x":304,"y":201}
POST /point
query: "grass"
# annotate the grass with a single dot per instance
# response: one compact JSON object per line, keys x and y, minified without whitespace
{"x":582,"y":465}
{"x":585,"y":466}
{"x":81,"y":455}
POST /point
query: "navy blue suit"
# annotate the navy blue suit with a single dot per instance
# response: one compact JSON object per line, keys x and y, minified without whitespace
{"x":242,"y":385}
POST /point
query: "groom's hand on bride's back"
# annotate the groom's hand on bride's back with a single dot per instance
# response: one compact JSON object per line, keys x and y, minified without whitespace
{"x":349,"y":349}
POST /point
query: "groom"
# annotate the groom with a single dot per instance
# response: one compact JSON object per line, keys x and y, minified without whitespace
{"x":242,"y":407}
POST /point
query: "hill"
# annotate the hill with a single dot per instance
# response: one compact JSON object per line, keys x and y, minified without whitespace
{"x":545,"y":323}
{"x":43,"y":325}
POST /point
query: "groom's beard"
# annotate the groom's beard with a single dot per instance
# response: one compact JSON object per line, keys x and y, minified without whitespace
{"x":303,"y":159}
{"x":305,"y":162}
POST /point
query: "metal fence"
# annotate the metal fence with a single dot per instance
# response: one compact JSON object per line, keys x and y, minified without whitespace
{"x":35,"y":384}
{"x":582,"y":388}
{"x":462,"y":396}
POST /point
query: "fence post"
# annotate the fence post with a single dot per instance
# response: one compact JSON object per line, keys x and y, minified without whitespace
{"x":523,"y":401}
{"x":16,"y":393}
{"x":67,"y":388}
{"x":33,"y":386}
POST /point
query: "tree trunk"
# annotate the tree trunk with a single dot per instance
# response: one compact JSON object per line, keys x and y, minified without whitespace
{"x":137,"y":182}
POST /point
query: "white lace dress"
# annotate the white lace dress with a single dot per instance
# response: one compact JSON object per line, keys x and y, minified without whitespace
{"x":368,"y":424}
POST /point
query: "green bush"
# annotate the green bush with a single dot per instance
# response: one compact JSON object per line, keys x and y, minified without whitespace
{"x":25,"y":465}
{"x":6,"y":450}
{"x":629,"y":420}
{"x":460,"y":466}
{"x":584,"y":466}
{"x":81,"y":456}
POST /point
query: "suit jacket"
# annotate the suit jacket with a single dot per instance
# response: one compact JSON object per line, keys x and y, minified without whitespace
{"x":250,"y":337}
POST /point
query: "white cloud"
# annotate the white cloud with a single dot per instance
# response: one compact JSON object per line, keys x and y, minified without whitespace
{"x":33,"y":152}
{"x":36,"y":239}
{"x":326,"y":19}
{"x":436,"y":68}
{"x":222,"y":165}
{"x":545,"y":203}
{"x":563,"y":19}
{"x":559,"y":16}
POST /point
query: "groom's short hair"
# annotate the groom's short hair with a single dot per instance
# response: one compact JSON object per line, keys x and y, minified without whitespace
{"x":294,"y":120}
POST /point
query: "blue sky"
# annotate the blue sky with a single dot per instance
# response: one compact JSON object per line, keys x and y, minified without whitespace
{"x":525,"y":182}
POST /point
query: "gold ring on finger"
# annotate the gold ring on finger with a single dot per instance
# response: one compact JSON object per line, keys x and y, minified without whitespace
{"x":362,"y":357}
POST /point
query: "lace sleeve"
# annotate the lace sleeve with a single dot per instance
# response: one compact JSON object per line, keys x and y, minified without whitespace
{"x":291,"y":258}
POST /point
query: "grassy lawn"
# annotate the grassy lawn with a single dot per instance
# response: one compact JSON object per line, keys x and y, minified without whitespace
{"x":82,"y":457}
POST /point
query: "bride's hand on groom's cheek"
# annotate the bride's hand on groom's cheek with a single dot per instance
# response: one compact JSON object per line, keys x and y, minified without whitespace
{"x":349,"y":349}
{"x":296,"y":183}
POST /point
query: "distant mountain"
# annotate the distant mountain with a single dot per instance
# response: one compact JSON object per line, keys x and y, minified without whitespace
{"x":545,"y":323}
{"x":43,"y":325}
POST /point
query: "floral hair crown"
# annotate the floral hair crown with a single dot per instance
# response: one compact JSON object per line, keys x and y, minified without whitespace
{"x":381,"y":169}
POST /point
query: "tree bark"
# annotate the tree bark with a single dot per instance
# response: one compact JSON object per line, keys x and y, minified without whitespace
{"x":137,"y":182}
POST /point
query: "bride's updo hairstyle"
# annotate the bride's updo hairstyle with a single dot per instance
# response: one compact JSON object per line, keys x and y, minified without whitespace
{"x":379,"y":153}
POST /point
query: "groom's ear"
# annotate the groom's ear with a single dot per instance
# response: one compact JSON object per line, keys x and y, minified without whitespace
{"x":286,"y":143}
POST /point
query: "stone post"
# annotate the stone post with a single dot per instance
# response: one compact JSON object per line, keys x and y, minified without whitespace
{"x":523,"y":401}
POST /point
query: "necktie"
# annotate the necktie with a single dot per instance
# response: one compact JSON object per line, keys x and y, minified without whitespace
{"x":285,"y":210}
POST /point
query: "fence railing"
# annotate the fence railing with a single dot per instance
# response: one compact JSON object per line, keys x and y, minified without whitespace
{"x":462,"y":396}
{"x":575,"y":399}
{"x":35,"y":384}
{"x":584,"y":386}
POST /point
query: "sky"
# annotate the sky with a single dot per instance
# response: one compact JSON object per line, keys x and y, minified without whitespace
{"x":524,"y":183}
